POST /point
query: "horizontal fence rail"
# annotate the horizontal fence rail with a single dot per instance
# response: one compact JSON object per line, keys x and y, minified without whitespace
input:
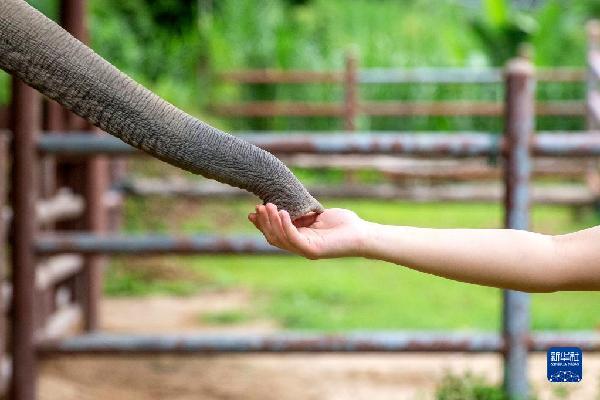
{"x":564,"y":194}
{"x":458,"y":108}
{"x":84,"y":243}
{"x":400,"y":168}
{"x":397,"y":75}
{"x":312,"y":343}
{"x":432,"y":144}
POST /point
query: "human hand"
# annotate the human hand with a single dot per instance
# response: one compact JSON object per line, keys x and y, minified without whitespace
{"x":333,"y":233}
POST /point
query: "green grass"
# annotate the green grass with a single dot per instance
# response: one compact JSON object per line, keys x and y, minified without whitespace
{"x":354,"y":294}
{"x":225,"y":317}
{"x":468,"y":386}
{"x":121,"y":281}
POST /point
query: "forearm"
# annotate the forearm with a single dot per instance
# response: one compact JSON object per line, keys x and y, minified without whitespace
{"x":493,"y":257}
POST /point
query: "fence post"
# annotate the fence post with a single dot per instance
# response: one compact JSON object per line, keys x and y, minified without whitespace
{"x":518,"y":131}
{"x":24,"y":120}
{"x":90,"y":179}
{"x":4,"y":185}
{"x":593,"y":78}
{"x":350,"y":91}
{"x":97,"y":180}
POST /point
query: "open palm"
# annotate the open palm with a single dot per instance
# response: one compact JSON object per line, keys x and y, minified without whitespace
{"x":333,"y":233}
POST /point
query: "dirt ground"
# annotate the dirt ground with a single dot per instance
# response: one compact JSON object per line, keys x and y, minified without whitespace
{"x":264,"y":377}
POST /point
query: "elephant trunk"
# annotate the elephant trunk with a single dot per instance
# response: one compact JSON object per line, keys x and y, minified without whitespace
{"x":46,"y":57}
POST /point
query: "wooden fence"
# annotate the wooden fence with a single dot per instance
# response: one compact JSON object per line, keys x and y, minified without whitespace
{"x":350,"y":107}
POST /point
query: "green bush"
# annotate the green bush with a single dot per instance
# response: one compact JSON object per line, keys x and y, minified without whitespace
{"x":468,"y":387}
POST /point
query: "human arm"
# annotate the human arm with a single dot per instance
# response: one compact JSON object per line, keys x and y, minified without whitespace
{"x":501,"y":258}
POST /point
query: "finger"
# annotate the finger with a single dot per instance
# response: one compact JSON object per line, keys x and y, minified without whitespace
{"x":252,"y":218}
{"x":296,"y":239}
{"x":261,"y":217}
{"x":265,"y":225}
{"x":276,"y":226}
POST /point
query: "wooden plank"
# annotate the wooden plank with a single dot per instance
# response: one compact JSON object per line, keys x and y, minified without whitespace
{"x":396,"y":75}
{"x":572,"y":194}
{"x":560,"y":108}
{"x":558,"y":75}
{"x":406,"y":168}
{"x":64,"y":206}
{"x":63,"y":323}
{"x":57,"y":269}
{"x":391,"y":108}
{"x":433,"y":108}
{"x":54,"y":270}
{"x":430,"y":75}
{"x":424,"y":166}
{"x":274,"y":109}
{"x":465,"y":108}
{"x":272,"y":76}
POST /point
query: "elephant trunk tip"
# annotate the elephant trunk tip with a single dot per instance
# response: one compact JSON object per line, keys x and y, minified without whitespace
{"x":313,"y":206}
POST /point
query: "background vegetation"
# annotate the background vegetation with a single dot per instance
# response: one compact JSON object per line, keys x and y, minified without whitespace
{"x":178,"y":47}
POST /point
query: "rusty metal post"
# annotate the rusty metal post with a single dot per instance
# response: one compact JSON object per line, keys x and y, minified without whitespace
{"x":25,"y":111}
{"x":89,"y":178}
{"x":53,"y":120}
{"x":518,"y":130}
{"x":593,"y":80}
{"x":350,"y":92}
{"x":4,"y":184}
{"x":97,"y":180}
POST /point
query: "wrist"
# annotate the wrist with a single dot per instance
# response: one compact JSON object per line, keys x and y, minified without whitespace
{"x":367,"y":239}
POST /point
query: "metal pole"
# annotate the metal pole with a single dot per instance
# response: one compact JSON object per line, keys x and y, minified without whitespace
{"x":95,"y":221}
{"x":290,"y":342}
{"x":3,"y":267}
{"x":90,"y":179}
{"x":422,"y":144}
{"x":593,"y":56}
{"x":53,"y":120}
{"x":25,"y":111}
{"x":519,"y":127}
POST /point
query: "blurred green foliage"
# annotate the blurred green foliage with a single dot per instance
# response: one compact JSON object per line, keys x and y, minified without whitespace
{"x":468,"y":387}
{"x":502,"y":30}
{"x":177,"y":47}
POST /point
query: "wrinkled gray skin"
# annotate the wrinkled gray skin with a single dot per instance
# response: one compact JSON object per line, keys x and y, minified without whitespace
{"x":46,"y":57}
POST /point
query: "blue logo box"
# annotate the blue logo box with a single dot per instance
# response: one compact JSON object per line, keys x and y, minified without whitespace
{"x":565,"y":364}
